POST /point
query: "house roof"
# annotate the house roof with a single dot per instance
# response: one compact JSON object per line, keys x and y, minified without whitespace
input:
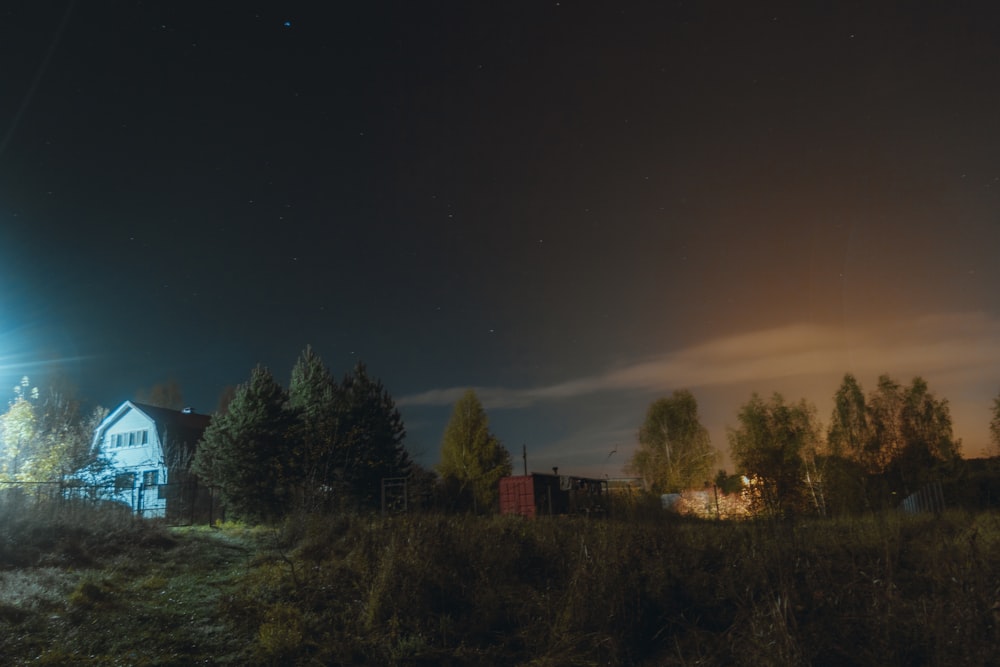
{"x":177,"y":422}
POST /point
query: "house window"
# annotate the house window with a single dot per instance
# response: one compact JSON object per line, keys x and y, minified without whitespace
{"x":150,"y":478}
{"x":124,"y":481}
{"x":130,"y":439}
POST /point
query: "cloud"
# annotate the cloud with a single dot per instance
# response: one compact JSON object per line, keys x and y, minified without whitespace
{"x":945,"y":347}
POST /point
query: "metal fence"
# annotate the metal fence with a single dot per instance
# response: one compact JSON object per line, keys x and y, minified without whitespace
{"x":928,"y":499}
{"x":186,"y":503}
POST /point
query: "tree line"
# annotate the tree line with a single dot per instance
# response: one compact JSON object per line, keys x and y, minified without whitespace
{"x":323,"y":443}
{"x":318,"y":444}
{"x":879,"y":447}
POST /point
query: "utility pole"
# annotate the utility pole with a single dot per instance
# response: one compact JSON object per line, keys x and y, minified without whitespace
{"x":524,"y":455}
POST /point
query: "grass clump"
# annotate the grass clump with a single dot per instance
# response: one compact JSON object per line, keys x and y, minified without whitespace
{"x":91,"y":594}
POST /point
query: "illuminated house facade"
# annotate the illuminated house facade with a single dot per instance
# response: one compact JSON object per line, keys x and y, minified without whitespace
{"x":150,"y":450}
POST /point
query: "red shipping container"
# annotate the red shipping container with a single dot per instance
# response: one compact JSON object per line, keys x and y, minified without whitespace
{"x":538,"y":494}
{"x":517,"y":495}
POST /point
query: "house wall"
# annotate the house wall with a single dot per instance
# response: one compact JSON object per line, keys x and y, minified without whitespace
{"x":132,"y":444}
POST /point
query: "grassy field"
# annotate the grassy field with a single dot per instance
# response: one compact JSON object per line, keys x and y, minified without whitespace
{"x":86,"y":587}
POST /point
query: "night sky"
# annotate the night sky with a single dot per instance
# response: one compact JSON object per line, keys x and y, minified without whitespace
{"x":574,"y":207}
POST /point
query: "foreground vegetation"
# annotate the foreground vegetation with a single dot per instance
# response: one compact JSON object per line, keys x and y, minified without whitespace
{"x":97,"y":587}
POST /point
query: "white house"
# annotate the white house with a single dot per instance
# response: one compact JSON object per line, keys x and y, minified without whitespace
{"x":150,"y":450}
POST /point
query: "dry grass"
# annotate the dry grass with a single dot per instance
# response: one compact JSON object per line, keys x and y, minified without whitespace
{"x":445,"y":590}
{"x":432,"y":590}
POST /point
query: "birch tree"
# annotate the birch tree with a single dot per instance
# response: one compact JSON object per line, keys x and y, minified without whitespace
{"x":675,"y":452}
{"x":775,"y":446}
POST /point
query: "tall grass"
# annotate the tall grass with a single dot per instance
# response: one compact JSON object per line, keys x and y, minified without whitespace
{"x":68,"y":533}
{"x":457,"y":590}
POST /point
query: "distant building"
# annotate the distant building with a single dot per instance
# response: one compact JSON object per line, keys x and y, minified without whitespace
{"x":150,"y":450}
{"x":539,"y":494}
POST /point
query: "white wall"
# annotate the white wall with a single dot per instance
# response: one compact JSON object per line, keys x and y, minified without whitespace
{"x":137,"y":459}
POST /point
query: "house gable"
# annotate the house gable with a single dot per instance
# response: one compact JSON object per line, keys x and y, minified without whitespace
{"x":129,"y":438}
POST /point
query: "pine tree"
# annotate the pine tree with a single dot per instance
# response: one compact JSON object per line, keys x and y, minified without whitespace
{"x":249,"y":452}
{"x":370,"y":435}
{"x":314,"y":400}
{"x":472,"y":459}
